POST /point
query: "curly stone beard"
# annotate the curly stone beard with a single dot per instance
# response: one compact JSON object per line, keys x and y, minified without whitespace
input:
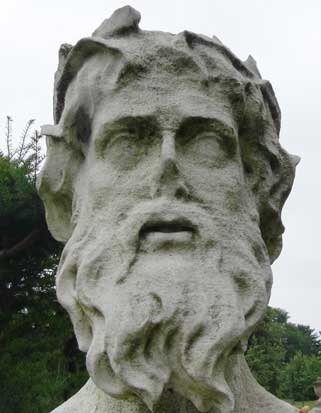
{"x":166,"y":316}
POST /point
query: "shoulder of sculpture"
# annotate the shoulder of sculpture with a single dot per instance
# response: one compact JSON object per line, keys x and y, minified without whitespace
{"x":66,"y":407}
{"x":73,"y":405}
{"x":84,"y":401}
{"x":90,"y":399}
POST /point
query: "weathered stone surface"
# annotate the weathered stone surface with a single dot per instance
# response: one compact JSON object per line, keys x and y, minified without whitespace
{"x":165,"y":178}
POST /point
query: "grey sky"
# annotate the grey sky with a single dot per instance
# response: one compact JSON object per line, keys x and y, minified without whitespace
{"x":284,"y":36}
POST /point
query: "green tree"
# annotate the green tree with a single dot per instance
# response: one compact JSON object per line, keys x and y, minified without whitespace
{"x":303,"y":339}
{"x":39,"y":363}
{"x":267,"y":349}
{"x":299,"y":374}
{"x":275,"y":352}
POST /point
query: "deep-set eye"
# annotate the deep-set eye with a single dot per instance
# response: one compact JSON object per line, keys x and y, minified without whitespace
{"x":125,"y":150}
{"x":208,"y":149}
{"x":123,"y":138}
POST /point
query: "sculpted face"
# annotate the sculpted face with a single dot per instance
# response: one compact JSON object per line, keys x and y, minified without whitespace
{"x":165,"y":272}
{"x":172,"y":271}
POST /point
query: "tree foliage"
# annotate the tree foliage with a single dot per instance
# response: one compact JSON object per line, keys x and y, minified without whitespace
{"x":285,"y":357}
{"x":298,"y":374}
{"x":39,"y":363}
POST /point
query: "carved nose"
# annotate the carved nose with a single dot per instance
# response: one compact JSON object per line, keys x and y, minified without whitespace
{"x":167,"y":180}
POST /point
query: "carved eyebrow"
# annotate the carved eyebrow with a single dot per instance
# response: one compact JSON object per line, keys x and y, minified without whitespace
{"x":139,"y":125}
{"x":136,"y":123}
{"x":196,"y":124}
{"x":193,"y":126}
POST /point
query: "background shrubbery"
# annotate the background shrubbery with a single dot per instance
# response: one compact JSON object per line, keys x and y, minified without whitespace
{"x":40,"y":365}
{"x":285,"y":357}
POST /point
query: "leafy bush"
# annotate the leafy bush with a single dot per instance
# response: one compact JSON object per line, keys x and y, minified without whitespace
{"x":40,"y":365}
{"x":298,"y":376}
{"x":284,"y":357}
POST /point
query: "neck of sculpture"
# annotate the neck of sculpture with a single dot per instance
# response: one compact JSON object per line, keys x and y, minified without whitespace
{"x":249,"y":396}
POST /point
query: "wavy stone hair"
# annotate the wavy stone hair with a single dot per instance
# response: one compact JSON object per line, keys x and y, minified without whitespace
{"x":268,"y":168}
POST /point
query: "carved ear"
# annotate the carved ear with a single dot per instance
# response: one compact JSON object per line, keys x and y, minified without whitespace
{"x":55,"y":184}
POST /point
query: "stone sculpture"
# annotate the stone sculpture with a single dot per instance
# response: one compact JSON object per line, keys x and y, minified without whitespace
{"x":165,"y":179}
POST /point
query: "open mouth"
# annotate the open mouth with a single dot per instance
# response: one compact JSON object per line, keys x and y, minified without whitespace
{"x":176,"y":230}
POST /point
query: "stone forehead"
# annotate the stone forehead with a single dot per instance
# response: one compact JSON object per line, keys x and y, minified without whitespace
{"x":139,"y":59}
{"x":97,"y":88}
{"x":123,"y":58}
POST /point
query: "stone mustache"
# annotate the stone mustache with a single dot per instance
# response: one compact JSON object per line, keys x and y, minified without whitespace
{"x":165,"y":179}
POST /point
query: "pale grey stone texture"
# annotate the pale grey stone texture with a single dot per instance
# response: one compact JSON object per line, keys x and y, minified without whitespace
{"x":166,"y":180}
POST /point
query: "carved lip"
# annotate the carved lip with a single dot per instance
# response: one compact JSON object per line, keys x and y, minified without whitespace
{"x":167,"y":226}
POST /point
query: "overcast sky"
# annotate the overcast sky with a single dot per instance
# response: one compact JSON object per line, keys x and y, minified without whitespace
{"x":284,"y":36}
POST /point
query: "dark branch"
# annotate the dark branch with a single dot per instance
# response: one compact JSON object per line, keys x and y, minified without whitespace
{"x":21,"y":245}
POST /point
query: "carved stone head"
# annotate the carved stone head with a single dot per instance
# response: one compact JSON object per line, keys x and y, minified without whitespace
{"x":165,"y":179}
